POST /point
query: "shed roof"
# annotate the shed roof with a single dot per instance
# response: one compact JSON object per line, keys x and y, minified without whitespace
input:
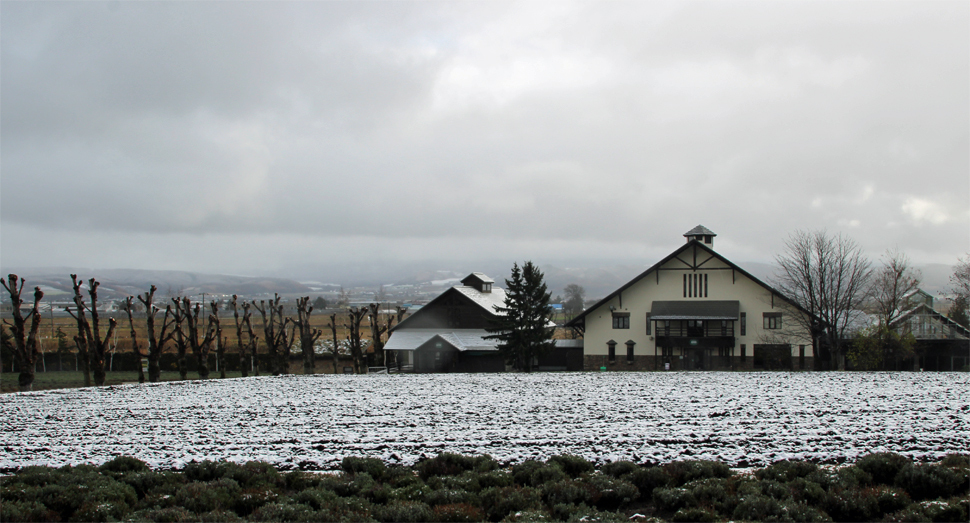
{"x":700,"y":230}
{"x":460,"y":339}
{"x":695,"y":310}
{"x":569,"y":343}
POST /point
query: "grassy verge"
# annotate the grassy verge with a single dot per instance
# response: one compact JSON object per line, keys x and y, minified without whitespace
{"x":450,"y":487}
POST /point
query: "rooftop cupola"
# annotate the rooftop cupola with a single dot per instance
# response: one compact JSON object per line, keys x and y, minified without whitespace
{"x":479,"y":281}
{"x":701,"y":234}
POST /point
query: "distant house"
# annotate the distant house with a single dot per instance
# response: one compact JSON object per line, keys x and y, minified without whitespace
{"x":694,"y":310}
{"x":941,"y":343}
{"x":449,"y":333}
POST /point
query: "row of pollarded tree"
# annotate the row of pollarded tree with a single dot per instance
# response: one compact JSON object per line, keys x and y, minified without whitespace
{"x":189,"y":328}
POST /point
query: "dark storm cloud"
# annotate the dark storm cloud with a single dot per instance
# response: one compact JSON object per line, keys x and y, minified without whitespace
{"x":561,"y":128}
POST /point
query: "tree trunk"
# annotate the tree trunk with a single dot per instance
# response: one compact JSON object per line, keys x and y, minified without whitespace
{"x":25,"y":342}
{"x":377,"y":331}
{"x":334,"y":351}
{"x":356,"y":317}
{"x":308,"y":335}
{"x":243,"y":364}
{"x":180,"y":341}
{"x":156,"y":343}
{"x":134,"y":339}
{"x":216,"y":328}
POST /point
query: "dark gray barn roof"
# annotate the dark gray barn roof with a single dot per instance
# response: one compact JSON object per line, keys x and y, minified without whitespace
{"x":695,"y":310}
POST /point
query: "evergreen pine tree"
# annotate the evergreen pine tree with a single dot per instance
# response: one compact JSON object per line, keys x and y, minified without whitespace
{"x":522,"y":328}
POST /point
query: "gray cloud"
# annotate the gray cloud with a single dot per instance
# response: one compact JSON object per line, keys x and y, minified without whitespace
{"x":572,"y":129}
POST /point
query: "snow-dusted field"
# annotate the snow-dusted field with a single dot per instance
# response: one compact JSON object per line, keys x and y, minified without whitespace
{"x":743,"y":419}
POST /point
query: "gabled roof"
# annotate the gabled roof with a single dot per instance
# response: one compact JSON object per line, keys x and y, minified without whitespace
{"x":479,"y":276}
{"x":671,"y":256}
{"x":486,"y":300}
{"x":460,"y":339}
{"x":923,"y":308}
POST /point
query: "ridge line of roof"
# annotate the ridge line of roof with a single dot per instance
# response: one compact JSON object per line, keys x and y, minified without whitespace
{"x":644,"y":274}
{"x":443,"y":293}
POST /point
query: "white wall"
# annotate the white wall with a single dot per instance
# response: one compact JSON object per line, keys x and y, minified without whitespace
{"x":722,"y":285}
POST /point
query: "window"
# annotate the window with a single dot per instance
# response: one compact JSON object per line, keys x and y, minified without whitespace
{"x":611,"y":346}
{"x":621,"y":320}
{"x":744,"y":354}
{"x":695,"y":285}
{"x":744,"y":324}
{"x":629,"y":351}
{"x":695,"y":328}
{"x":649,"y":326}
{"x":772,"y":320}
{"x":486,"y":287}
{"x":801,"y":357}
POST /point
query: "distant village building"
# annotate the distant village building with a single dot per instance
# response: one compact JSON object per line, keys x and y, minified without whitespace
{"x":694,"y":310}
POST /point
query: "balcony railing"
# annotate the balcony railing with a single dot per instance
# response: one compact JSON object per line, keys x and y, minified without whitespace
{"x":694,"y":329}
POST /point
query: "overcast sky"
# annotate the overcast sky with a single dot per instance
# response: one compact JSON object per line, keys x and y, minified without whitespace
{"x":249,"y":137}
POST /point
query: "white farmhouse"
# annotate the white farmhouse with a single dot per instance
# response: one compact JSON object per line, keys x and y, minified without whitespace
{"x":695,"y":310}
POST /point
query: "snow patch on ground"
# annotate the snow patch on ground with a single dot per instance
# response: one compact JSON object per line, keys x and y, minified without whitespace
{"x":312,"y":422}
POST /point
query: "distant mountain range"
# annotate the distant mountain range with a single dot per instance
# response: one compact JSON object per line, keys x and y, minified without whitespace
{"x":597,"y":281}
{"x":119,"y":283}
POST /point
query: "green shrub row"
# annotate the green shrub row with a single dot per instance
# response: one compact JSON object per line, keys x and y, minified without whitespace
{"x":455,"y":488}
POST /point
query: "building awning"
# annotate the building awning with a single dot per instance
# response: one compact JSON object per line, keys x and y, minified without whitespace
{"x":695,"y":310}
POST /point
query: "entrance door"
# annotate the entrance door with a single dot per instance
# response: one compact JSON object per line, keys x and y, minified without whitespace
{"x":694,"y":359}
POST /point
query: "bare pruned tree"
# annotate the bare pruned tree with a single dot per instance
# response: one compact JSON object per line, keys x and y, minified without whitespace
{"x":156,"y":340}
{"x":127,"y":306}
{"x":216,"y":329}
{"x":253,"y":340}
{"x":377,"y":330}
{"x":90,"y":332}
{"x":356,"y":316}
{"x":80,"y":339}
{"x":181,"y":340}
{"x":893,"y":286}
{"x":308,"y":335}
{"x":24,"y":339}
{"x":392,"y":359}
{"x":192,"y":316}
{"x":825,"y":278}
{"x":275,"y":336}
{"x":240,"y":346}
{"x":335,"y":348}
